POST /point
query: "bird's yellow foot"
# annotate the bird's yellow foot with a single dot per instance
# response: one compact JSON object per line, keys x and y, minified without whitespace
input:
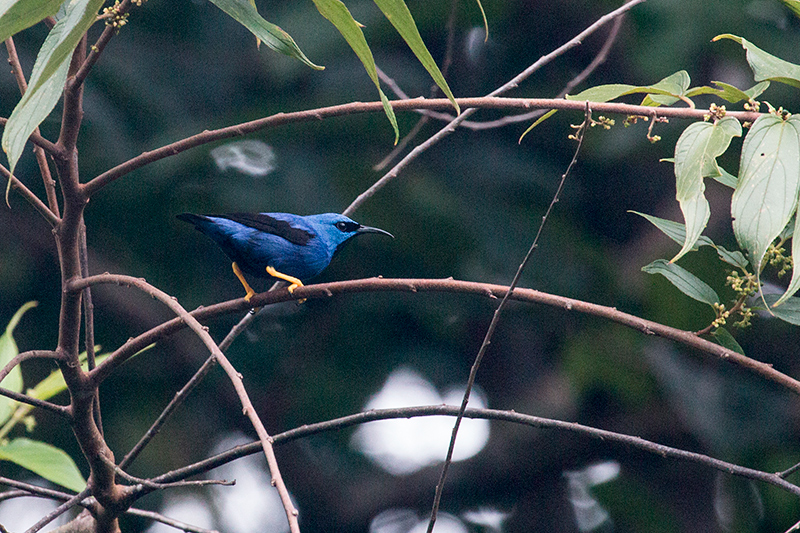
{"x":294,"y":282}
{"x":248,"y":289}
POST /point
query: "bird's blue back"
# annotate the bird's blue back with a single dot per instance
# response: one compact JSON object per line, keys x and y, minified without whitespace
{"x":307,"y":247}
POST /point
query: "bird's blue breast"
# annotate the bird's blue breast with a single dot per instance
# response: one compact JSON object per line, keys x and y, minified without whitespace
{"x":255,"y":249}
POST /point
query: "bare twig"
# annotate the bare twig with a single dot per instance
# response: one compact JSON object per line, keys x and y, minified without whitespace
{"x":58,"y":511}
{"x":314,"y":115}
{"x":579,"y":135}
{"x":233,"y":375}
{"x":24,"y":356}
{"x":339,"y":424}
{"x":31,"y":198}
{"x":177,"y":524}
{"x":61,"y":410}
{"x":98,"y":47}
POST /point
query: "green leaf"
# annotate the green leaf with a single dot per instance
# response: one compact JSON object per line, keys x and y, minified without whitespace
{"x":8,"y":351}
{"x":336,"y":12}
{"x":538,"y":121}
{"x":794,"y":5}
{"x":48,"y":77}
{"x":735,"y":258}
{"x":16,"y":15}
{"x":696,"y":155}
{"x":398,"y":14}
{"x":685,"y":281}
{"x":674,"y":85}
{"x":766,"y":66}
{"x":788,"y":311}
{"x":726,"y":178}
{"x":273,"y":36}
{"x":794,"y":284}
{"x":485,"y":22}
{"x":724,"y":338}
{"x":674,"y":230}
{"x":50,"y":462}
{"x":730,"y":93}
{"x":769,"y":181}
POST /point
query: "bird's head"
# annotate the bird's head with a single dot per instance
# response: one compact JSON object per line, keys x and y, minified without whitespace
{"x":336,"y":229}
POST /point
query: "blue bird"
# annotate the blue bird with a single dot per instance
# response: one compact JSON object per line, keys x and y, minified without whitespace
{"x":289,"y":247}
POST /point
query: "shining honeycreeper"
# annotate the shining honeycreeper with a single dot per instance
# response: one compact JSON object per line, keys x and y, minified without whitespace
{"x":289,"y":247}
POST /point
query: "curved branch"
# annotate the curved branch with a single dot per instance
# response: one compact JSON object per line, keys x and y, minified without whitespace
{"x":487,"y":414}
{"x":32,"y":199}
{"x":24,"y":356}
{"x":325,"y":290}
{"x":63,"y":410}
{"x":78,"y":285}
{"x":487,"y":102}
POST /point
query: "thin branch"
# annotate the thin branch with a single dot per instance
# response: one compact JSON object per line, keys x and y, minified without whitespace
{"x":233,"y":375}
{"x":31,"y":198}
{"x":177,"y":524}
{"x":328,"y":290}
{"x":38,"y":140}
{"x":100,"y":45}
{"x":24,"y":356}
{"x":63,"y":410}
{"x":486,"y":102}
{"x":579,"y":135}
{"x":470,"y":110}
{"x":176,"y":401}
{"x":58,"y":511}
{"x":372,"y":415}
{"x":38,"y":151}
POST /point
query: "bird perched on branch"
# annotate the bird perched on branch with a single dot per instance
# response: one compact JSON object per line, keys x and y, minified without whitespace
{"x":289,"y":247}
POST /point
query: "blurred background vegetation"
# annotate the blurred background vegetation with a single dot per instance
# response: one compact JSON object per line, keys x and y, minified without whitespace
{"x":469,"y":208}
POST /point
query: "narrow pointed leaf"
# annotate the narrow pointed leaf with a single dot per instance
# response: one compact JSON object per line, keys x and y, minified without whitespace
{"x":17,"y":15}
{"x":338,"y":14}
{"x":398,"y":14}
{"x":788,"y":311}
{"x":730,"y":93}
{"x":696,"y":155}
{"x":486,"y":22}
{"x":794,"y":284}
{"x":46,"y":460}
{"x":674,"y":85}
{"x":674,"y":230}
{"x":769,"y":180}
{"x":8,"y":351}
{"x":685,"y":281}
{"x":538,"y":121}
{"x":766,"y":66}
{"x":273,"y":36}
{"x":48,"y":76}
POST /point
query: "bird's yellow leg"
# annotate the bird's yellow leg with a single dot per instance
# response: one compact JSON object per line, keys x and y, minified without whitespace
{"x":247,"y":287}
{"x":285,"y":277}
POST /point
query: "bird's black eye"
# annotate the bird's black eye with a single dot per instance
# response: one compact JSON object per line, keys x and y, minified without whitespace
{"x":347,"y":227}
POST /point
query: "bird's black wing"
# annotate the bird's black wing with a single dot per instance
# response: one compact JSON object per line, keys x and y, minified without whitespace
{"x":268,"y":224}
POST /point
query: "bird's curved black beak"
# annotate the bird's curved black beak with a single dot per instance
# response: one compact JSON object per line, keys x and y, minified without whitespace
{"x":367,"y":229}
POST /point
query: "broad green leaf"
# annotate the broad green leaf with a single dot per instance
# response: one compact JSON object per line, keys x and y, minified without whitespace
{"x":769,"y":181}
{"x":724,"y":338}
{"x":674,"y":230}
{"x":273,"y":36}
{"x":685,"y":281}
{"x":794,"y":5}
{"x":46,"y":460}
{"x":398,"y":14}
{"x":48,"y":76}
{"x":336,"y":12}
{"x":16,"y":15}
{"x":696,"y":155}
{"x":8,"y":351}
{"x":766,"y":66}
{"x":674,"y":85}
{"x":788,"y":311}
{"x":794,"y":284}
{"x":734,"y":258}
{"x":726,"y":178}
